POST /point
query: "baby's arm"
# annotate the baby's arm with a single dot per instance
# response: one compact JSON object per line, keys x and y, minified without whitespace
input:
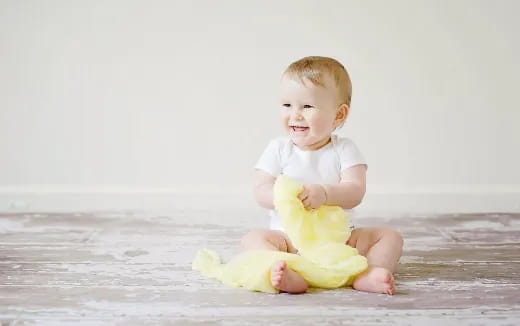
{"x":264,"y":189}
{"x":347,"y":194}
{"x":350,"y":191}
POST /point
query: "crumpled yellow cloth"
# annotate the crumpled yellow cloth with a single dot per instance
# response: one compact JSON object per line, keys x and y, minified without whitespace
{"x":323,"y":259}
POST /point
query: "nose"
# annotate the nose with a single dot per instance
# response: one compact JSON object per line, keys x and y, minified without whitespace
{"x":296,"y":114}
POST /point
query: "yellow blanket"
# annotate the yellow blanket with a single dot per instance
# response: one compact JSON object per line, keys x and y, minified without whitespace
{"x":323,"y":259}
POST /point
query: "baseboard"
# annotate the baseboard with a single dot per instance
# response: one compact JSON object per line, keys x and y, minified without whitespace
{"x":439,"y":199}
{"x":378,"y":200}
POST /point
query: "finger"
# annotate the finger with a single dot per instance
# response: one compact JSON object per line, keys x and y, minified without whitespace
{"x":306,"y":203}
{"x":303,"y":195}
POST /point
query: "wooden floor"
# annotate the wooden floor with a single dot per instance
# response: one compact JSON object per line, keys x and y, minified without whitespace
{"x":134,"y":268}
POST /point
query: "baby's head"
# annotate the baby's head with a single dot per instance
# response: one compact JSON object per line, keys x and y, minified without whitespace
{"x":315,"y":100}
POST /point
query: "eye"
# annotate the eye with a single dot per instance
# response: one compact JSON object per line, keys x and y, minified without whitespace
{"x":286,"y":105}
{"x":307,"y":106}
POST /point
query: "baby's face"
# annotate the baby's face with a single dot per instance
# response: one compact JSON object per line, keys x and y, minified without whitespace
{"x":308,"y":112}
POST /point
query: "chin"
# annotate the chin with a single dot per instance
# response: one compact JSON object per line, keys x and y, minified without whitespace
{"x":299,"y":142}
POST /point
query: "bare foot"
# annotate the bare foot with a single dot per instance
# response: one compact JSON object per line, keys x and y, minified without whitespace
{"x":375,"y":279}
{"x":287,"y":280}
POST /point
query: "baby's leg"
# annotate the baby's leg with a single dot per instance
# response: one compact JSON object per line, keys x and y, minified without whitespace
{"x":267,"y":239}
{"x":282,"y":277}
{"x":383,"y":248}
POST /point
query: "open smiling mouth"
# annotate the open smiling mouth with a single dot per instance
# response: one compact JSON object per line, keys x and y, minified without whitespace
{"x":299,"y":129}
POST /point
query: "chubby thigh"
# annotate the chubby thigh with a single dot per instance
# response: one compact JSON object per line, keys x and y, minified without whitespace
{"x":363,"y":239}
{"x":267,"y":239}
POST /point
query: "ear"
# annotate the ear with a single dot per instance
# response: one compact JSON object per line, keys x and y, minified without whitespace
{"x":341,"y":114}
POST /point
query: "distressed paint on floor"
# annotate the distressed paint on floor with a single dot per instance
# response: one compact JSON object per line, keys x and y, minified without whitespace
{"x":134,"y":268}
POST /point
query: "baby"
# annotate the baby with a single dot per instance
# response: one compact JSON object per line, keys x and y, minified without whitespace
{"x":315,"y":100}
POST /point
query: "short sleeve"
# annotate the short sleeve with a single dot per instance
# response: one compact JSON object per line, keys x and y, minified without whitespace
{"x":349,"y":154}
{"x":270,"y":160}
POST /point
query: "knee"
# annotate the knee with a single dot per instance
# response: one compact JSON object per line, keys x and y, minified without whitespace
{"x":256,"y":238}
{"x":394,"y":236}
{"x":252,"y":237}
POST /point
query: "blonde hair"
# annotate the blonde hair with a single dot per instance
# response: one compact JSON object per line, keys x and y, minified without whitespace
{"x":314,"y":68}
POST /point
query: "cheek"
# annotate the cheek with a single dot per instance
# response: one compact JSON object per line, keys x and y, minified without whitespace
{"x":321,"y":123}
{"x":284,"y":119}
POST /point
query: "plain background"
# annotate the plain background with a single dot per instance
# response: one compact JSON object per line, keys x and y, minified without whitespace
{"x":161,"y":98}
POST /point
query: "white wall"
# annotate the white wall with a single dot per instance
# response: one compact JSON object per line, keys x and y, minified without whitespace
{"x":165,"y":97}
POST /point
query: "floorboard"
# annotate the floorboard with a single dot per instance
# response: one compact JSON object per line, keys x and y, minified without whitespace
{"x":134,"y":268}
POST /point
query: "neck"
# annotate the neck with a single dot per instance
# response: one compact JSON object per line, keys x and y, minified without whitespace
{"x":316,"y":146}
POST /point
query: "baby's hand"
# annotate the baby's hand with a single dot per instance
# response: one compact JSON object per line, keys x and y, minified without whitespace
{"x":313,"y":196}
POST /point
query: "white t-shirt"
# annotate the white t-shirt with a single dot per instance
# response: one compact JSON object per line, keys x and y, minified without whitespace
{"x":321,"y":166}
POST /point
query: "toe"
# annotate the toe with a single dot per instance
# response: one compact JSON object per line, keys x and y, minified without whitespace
{"x":276,"y":268}
{"x":391,"y":289}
